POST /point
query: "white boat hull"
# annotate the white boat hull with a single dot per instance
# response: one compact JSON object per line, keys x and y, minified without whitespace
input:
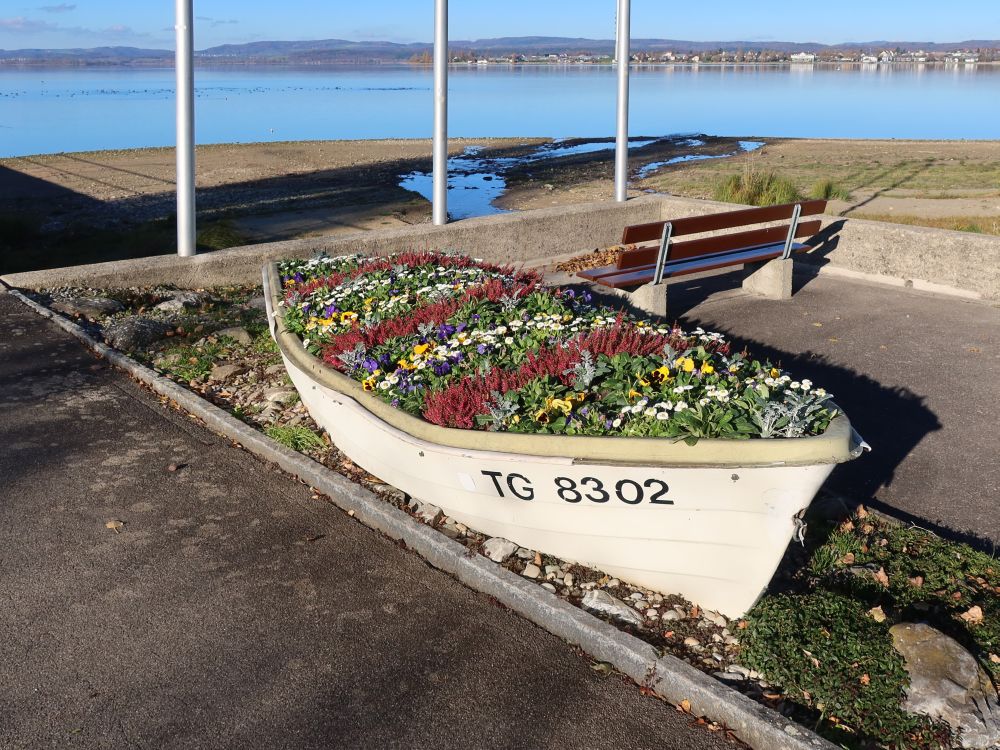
{"x":713,"y":534}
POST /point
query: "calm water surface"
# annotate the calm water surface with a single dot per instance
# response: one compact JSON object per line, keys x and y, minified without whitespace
{"x":48,"y":111}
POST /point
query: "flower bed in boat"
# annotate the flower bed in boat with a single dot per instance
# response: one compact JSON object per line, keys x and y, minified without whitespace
{"x":472,"y":345}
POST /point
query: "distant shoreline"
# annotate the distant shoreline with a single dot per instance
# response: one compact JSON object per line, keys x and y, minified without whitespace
{"x":202,"y":64}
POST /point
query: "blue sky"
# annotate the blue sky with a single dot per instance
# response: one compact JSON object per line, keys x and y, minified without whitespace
{"x":149,"y":23}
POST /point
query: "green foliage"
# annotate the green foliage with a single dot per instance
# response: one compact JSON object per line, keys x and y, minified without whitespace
{"x":756,"y":188}
{"x":928,"y":578}
{"x":828,"y":190}
{"x":298,"y":438}
{"x":826,"y":653}
{"x":191,"y":361}
{"x":819,"y":640}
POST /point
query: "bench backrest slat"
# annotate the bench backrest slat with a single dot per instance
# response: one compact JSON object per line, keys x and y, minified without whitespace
{"x":645,"y":256}
{"x":714,"y":222}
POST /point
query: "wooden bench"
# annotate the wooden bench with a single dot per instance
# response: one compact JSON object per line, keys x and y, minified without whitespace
{"x":766,"y":252}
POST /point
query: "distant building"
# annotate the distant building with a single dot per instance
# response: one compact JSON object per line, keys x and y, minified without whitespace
{"x":804,"y":57}
{"x":887,"y":56}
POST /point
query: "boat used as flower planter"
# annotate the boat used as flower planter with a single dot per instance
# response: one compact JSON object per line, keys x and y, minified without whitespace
{"x":709,"y":521}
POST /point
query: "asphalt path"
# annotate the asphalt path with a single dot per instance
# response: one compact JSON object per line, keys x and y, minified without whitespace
{"x":233,"y":610}
{"x":917,"y":373}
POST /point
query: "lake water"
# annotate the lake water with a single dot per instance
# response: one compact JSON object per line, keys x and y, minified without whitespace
{"x":48,"y":111}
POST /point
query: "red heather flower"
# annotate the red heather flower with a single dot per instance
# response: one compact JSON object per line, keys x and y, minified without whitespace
{"x":434,"y":313}
{"x":460,"y":403}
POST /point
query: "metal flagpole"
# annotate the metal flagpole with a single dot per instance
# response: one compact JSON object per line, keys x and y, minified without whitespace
{"x":185,"y":128}
{"x":440,"y":171}
{"x":624,"y":56}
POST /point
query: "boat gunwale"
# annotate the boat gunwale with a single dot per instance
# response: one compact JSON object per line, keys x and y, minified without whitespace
{"x":837,"y":444}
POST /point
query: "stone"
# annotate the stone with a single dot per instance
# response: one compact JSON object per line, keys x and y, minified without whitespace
{"x":257,"y":303}
{"x":277,"y":369}
{"x":652,"y":614}
{"x":182,"y":301}
{"x":531,"y":571}
{"x":135,"y":332}
{"x":692,"y":642}
{"x":740,"y":670}
{"x":525,"y":554}
{"x":603,"y":603}
{"x":671,"y":615}
{"x":650,"y":298}
{"x":549,"y":587}
{"x":239,"y":334}
{"x":451,"y":532}
{"x":499,"y":549}
{"x":88,"y":307}
{"x":427,"y":512}
{"x":716,"y":619}
{"x":568,"y":579}
{"x":280,"y":395}
{"x":771,"y":279}
{"x":222,"y":372}
{"x":729,"y":678}
{"x":552,"y":569}
{"x":947,"y":683}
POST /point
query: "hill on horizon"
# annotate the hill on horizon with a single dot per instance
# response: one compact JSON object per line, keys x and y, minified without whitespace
{"x":344,"y":50}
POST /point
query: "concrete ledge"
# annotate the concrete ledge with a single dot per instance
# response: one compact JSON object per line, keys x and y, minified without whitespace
{"x":923,"y":258}
{"x":669,"y":677}
{"x":504,"y":238}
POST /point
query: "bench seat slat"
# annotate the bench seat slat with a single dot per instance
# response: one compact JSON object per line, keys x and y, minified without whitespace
{"x":644,"y":275}
{"x":595,"y":273}
{"x":652,"y":231}
{"x":643,"y":256}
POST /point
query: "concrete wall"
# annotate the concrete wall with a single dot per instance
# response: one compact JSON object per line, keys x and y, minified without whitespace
{"x":921,"y":257}
{"x":914,"y":256}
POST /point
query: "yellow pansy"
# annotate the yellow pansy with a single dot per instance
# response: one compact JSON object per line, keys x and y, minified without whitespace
{"x":420,"y":349}
{"x":774,"y":372}
{"x":660,"y":375}
{"x":685,"y":363}
{"x":405,"y":365}
{"x":706,"y":369}
{"x":634,"y":393}
{"x":561,"y":404}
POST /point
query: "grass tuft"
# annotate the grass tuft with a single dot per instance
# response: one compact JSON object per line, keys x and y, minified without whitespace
{"x":754,"y":187}
{"x":828,"y":190}
{"x":298,"y":438}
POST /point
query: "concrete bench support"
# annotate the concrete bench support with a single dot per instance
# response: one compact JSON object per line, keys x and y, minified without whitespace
{"x":650,"y":298}
{"x":771,"y":279}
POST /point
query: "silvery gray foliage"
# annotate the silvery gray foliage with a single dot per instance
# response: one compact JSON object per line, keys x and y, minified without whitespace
{"x":426,"y":329}
{"x":583,"y":372}
{"x":670,"y":353}
{"x":355,"y":358}
{"x":509,"y":301}
{"x":789,"y":418}
{"x":400,"y":269}
{"x":502,"y":408}
{"x":735,"y":360}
